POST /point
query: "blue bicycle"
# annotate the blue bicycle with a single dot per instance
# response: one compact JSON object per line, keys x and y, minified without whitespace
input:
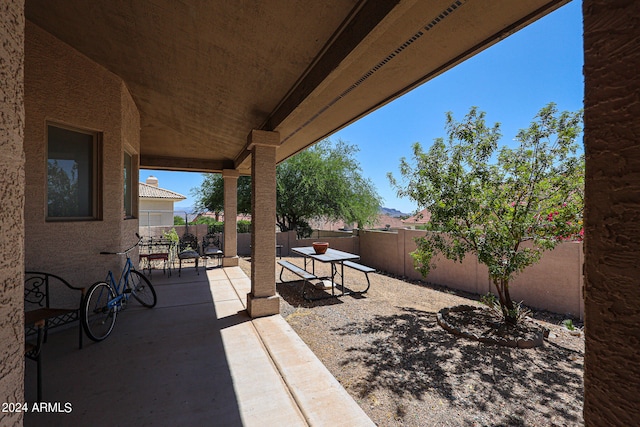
{"x":105,"y":300}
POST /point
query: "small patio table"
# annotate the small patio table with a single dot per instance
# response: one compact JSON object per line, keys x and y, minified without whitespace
{"x":332,"y":256}
{"x":156,"y":249}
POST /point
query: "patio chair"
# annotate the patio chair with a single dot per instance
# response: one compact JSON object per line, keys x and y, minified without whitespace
{"x":211,"y":248}
{"x":188,"y":249}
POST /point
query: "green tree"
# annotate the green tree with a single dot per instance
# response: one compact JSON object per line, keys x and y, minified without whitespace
{"x":324,"y":181}
{"x":244,"y":226}
{"x":505,"y":206}
{"x":210,"y":195}
{"x":62,"y":189}
{"x":178,"y":220}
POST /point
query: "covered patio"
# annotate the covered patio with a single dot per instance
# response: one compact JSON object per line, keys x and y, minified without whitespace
{"x":235,"y":89}
{"x":196,"y":358}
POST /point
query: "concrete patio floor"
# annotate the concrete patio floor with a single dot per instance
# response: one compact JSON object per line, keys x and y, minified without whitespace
{"x":195,"y":359}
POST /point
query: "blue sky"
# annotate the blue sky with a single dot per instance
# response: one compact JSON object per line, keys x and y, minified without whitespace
{"x":510,"y":81}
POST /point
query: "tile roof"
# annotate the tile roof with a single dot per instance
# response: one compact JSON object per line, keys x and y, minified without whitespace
{"x":147,"y":191}
{"x":420,"y":218}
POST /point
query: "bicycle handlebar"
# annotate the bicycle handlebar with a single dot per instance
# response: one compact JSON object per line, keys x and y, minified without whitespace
{"x":125,"y":251}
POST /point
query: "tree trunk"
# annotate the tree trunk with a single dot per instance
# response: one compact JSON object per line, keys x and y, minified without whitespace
{"x":506,"y":304}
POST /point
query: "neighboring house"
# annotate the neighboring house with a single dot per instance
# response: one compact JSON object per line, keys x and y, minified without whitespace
{"x":421,"y":218}
{"x":156,"y":204}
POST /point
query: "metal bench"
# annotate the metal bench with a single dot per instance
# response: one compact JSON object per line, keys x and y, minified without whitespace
{"x":298,"y":271}
{"x":41,"y":314}
{"x":38,"y":291}
{"x":363,"y":268}
{"x":33,"y":351}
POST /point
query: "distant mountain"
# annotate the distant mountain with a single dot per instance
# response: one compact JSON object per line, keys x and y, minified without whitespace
{"x":392,"y":212}
{"x":183,"y":209}
{"x":188,"y":210}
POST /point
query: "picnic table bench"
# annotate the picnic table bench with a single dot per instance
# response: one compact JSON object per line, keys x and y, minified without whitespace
{"x":299,"y":271}
{"x":336,"y":259}
{"x":363,"y":268}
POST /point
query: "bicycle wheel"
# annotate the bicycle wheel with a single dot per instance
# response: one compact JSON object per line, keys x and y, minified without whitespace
{"x":141,"y":289}
{"x":97,"y":317}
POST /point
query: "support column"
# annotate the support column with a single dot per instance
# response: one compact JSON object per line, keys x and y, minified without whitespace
{"x":612,"y":213}
{"x":263,"y":301}
{"x":230,"y":177}
{"x":12,"y":186}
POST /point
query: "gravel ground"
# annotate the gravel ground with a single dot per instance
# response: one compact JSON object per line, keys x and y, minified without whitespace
{"x":403,"y":369}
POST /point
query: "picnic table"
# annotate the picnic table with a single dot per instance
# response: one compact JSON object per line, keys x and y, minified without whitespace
{"x":337,"y":259}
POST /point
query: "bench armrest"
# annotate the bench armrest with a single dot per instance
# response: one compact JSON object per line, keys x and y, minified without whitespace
{"x":44,"y":275}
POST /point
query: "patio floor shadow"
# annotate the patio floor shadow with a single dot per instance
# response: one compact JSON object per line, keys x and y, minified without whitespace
{"x":195,"y":359}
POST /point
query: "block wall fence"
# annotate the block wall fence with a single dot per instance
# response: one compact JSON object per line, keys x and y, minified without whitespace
{"x":554,"y":283}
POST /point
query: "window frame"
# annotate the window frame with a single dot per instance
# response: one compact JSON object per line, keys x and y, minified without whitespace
{"x":96,"y":174}
{"x":131,"y":213}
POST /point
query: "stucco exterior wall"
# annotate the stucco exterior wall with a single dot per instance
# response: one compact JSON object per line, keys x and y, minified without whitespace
{"x":62,"y":86}
{"x":612,"y":212}
{"x":163,"y":218}
{"x":11,"y":208}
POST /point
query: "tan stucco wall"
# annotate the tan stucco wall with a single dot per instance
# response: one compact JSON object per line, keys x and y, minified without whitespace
{"x":11,"y":208}
{"x":380,"y":250}
{"x":612,"y":212}
{"x":63,"y":86}
{"x":390,"y":251}
{"x":554,"y":284}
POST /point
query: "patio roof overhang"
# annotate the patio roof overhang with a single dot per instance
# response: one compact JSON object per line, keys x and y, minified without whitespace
{"x":203,"y":75}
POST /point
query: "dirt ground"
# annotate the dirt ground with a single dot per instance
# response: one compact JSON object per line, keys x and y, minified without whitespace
{"x":387,"y":350}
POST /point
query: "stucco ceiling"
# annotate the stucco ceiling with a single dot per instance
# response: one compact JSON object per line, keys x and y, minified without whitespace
{"x":204,"y":74}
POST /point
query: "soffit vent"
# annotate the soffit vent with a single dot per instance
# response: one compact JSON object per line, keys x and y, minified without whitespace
{"x":449,"y":10}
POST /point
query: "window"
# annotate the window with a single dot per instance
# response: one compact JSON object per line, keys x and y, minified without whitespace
{"x":128,"y":187}
{"x":72,"y":174}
